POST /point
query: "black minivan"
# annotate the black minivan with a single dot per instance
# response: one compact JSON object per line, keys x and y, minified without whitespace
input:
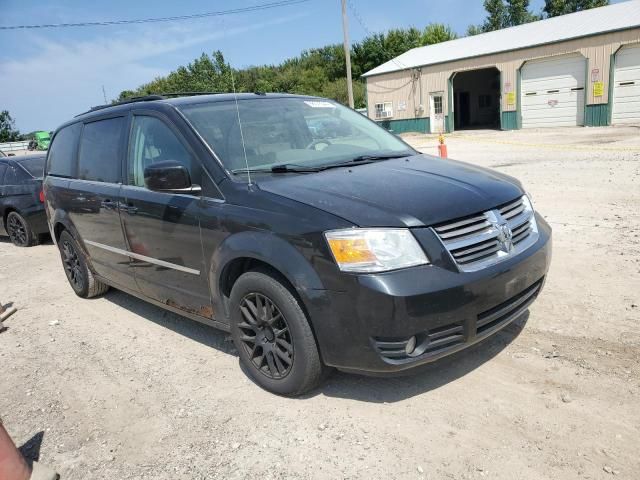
{"x":315,"y":247}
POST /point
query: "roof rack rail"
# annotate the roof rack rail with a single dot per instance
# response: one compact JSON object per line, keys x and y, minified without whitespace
{"x":190,"y":94}
{"x":161,"y":96}
{"x":144,"y":98}
{"x":194,"y":94}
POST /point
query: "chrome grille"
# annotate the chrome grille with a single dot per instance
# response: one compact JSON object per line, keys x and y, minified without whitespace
{"x":487,"y":238}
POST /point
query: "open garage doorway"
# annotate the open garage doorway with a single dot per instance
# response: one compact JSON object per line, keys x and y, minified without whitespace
{"x":476,"y":96}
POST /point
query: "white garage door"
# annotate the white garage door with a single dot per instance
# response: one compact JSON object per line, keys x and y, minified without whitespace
{"x":626,"y":90}
{"x":553,"y":92}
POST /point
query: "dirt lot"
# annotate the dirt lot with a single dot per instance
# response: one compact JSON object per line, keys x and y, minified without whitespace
{"x":121,"y":389}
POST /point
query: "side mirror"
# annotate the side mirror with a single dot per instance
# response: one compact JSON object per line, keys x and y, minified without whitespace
{"x":169,"y":176}
{"x":11,"y":155}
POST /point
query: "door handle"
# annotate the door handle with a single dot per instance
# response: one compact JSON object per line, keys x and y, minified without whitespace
{"x":130,"y":208}
{"x":107,"y":204}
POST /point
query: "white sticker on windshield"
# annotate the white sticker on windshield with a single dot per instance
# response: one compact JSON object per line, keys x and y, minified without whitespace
{"x":319,"y":104}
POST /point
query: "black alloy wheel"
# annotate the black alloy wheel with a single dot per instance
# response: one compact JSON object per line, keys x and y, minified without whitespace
{"x":72,"y":266}
{"x":17,"y":230}
{"x":265,"y":336}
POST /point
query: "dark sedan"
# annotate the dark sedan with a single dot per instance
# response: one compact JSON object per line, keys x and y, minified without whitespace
{"x":21,"y":199}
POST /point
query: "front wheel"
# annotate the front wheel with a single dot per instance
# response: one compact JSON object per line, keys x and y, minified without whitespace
{"x":273,"y":337}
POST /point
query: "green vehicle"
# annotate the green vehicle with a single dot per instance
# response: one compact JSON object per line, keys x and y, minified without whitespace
{"x":40,"y":141}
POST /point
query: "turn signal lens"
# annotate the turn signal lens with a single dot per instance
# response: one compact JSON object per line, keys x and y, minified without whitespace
{"x":349,"y":251}
{"x":375,"y":249}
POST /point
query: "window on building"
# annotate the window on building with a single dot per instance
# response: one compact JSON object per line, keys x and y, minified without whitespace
{"x":384,"y":110}
{"x":437,"y":105}
{"x":99,"y":158}
{"x":62,"y":152}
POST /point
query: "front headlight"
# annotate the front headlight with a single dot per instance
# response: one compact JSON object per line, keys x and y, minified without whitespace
{"x":368,"y":250}
{"x":528,"y":202}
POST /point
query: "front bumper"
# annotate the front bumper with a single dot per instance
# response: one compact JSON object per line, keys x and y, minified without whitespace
{"x":366,"y":327}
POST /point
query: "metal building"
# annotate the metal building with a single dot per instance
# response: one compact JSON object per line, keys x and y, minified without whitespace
{"x":577,"y":69}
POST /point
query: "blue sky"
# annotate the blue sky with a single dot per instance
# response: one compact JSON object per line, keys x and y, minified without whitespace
{"x":49,"y":75}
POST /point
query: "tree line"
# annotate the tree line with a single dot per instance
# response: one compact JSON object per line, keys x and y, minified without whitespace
{"x":321,"y":71}
{"x":509,"y":13}
{"x":317,"y":71}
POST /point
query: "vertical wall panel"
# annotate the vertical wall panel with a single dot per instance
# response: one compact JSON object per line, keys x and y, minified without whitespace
{"x":399,"y":86}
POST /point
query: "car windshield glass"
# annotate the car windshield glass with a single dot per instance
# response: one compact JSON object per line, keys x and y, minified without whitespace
{"x":35,"y":166}
{"x":307,"y":132}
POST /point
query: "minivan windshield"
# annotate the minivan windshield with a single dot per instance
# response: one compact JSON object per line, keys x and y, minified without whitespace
{"x":304,"y":133}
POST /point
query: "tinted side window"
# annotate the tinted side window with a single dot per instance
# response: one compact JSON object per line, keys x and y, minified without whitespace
{"x":99,"y":157}
{"x":153,"y":141}
{"x":34,"y":166}
{"x":61,"y":159}
{"x":15,"y":176}
{"x":3,"y":168}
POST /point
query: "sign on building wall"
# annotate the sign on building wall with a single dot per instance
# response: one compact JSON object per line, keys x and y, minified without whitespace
{"x":402,"y":106}
{"x":598,"y":89}
{"x":511,"y":98}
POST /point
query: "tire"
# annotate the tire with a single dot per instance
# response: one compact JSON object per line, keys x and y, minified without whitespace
{"x":79,"y":275}
{"x":20,"y":231}
{"x":276,"y":345}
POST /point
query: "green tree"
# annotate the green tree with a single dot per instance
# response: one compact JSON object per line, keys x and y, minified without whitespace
{"x":497,"y":17}
{"x":8,"y":132}
{"x":437,"y":33}
{"x":554,"y":8}
{"x":518,"y":13}
{"x":317,"y":71}
{"x":474,"y":30}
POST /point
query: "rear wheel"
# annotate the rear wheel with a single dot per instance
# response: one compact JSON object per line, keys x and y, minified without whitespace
{"x":20,"y":232}
{"x":273,"y":337}
{"x":79,"y":275}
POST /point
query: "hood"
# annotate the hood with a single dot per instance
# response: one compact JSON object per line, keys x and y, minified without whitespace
{"x":407,"y":192}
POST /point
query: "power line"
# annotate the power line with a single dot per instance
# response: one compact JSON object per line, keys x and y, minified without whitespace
{"x":357,"y":16}
{"x":264,"y":6}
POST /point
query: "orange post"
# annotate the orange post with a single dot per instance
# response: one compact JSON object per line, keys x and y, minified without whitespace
{"x":442,"y":147}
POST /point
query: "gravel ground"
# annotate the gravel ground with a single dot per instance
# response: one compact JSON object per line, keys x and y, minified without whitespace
{"x":117,"y":388}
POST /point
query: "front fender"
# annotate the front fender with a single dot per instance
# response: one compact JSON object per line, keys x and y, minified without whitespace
{"x":270,"y":249}
{"x":290,"y":262}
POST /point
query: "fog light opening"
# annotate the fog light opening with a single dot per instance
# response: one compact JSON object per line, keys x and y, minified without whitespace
{"x":411,"y":345}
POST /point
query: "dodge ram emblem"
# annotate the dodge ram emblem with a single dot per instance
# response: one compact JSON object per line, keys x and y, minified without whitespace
{"x":505,"y":237}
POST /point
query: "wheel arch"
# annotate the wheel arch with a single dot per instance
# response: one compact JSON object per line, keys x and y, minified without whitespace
{"x":5,"y":214}
{"x":247,"y":251}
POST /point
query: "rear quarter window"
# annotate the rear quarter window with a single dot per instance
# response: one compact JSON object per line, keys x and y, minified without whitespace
{"x":34,"y":166}
{"x":15,"y":176}
{"x":62,"y":153}
{"x":99,"y":157}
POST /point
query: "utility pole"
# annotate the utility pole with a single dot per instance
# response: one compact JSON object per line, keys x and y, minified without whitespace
{"x":347,"y":51}
{"x":104,"y":94}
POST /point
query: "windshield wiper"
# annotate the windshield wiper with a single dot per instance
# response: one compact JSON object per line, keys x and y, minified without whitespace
{"x":373,"y":157}
{"x":364,"y":159}
{"x":280,"y":168}
{"x":294,"y":168}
